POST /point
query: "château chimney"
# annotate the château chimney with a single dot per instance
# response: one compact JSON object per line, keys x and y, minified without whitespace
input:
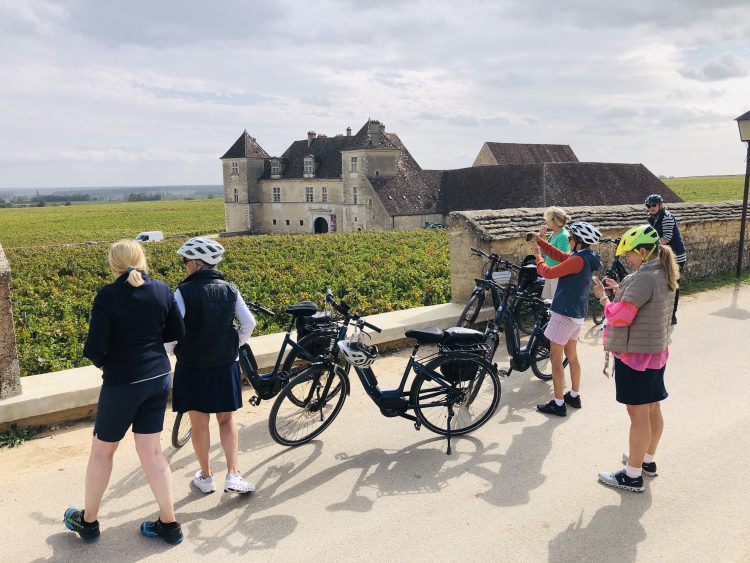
{"x":310,"y":136}
{"x":348,"y":131}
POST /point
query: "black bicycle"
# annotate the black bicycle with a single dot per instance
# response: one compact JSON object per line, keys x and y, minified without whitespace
{"x":536,"y":352}
{"x":496,"y":278}
{"x":617,"y":272}
{"x":316,"y":334}
{"x":454,"y":391}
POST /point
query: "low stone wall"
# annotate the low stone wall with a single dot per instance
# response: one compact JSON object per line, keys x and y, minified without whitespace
{"x":710,"y":230}
{"x":10,"y":381}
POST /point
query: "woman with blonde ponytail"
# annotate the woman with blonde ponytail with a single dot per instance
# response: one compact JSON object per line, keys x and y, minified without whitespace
{"x":131,"y":320}
{"x":639,"y":322}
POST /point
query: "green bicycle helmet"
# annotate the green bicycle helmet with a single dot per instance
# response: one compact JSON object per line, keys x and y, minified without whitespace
{"x":642,"y":234}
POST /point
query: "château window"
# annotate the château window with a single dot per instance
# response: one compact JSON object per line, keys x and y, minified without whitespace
{"x":369,"y":202}
{"x":287,"y":221}
{"x":353,"y":167}
{"x":309,"y":170}
{"x":236,"y":196}
{"x":324,"y":194}
{"x":301,"y":223}
{"x":355,"y":219}
{"x":275,"y":167}
{"x":235,"y":169}
{"x":274,"y":221}
{"x":354,"y":195}
{"x":309,"y":194}
{"x":276,"y":194}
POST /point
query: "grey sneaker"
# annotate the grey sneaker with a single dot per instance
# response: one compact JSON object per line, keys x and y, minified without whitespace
{"x":620,"y":480}
{"x":649,"y":469}
{"x":204,"y":484}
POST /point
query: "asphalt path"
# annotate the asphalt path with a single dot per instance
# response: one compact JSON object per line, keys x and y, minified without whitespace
{"x":522,"y":488}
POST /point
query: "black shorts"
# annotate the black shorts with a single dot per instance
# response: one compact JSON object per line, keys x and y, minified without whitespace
{"x":639,"y":387}
{"x":141,"y":404}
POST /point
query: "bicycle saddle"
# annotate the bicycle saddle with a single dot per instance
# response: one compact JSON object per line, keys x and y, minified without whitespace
{"x":302,"y":309}
{"x":431,"y":335}
{"x":459,"y":335}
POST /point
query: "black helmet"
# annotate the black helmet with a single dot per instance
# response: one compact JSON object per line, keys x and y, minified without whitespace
{"x":654,"y":198}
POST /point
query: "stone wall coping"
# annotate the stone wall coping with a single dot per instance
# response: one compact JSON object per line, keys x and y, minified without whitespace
{"x":488,"y":224}
{"x":49,"y":393}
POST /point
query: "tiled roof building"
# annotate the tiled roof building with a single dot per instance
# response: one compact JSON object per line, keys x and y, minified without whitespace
{"x":370,"y":181}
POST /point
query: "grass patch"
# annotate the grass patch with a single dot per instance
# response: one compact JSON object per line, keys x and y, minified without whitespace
{"x":715,"y":281}
{"x":15,"y":436}
{"x":707,"y":188}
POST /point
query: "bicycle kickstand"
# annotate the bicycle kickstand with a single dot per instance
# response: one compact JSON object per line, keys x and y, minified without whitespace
{"x":450,"y":417}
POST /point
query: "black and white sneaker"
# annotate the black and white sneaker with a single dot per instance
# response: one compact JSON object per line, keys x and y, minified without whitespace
{"x":620,"y":480}
{"x":649,"y":469}
{"x":170,"y":533}
{"x":574,"y":402}
{"x":553,"y":408}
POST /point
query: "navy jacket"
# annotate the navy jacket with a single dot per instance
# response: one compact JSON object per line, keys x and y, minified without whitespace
{"x":572,"y":294}
{"x":128,"y":329}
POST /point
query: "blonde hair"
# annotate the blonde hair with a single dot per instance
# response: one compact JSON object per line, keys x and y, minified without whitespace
{"x":670,"y":267}
{"x":126,"y":256}
{"x":557,"y":216}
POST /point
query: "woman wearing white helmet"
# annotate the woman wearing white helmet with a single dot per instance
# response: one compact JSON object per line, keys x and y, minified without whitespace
{"x":569,"y":306}
{"x":207,"y":376}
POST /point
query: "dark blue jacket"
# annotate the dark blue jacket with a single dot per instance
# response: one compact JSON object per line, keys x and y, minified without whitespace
{"x":210,"y":336}
{"x":572,"y":295}
{"x":128,"y":329}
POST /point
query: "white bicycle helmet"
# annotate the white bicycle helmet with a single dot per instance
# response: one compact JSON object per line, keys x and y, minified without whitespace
{"x":205,"y":249}
{"x":585,"y":231}
{"x":358,"y":353}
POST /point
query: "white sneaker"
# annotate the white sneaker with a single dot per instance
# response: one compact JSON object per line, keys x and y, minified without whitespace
{"x":236,"y":483}
{"x":205,"y":484}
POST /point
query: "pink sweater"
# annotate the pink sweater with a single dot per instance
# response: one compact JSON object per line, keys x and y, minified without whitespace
{"x":622,"y":313}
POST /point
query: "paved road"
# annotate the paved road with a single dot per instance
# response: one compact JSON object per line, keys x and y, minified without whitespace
{"x":522,"y":488}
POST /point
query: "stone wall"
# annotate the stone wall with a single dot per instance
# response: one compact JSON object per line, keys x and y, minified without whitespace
{"x":10,"y":381}
{"x":710,"y":231}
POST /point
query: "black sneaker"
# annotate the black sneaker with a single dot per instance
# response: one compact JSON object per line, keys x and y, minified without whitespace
{"x":620,"y":480}
{"x":574,"y":402}
{"x":169,"y":533}
{"x":75,"y":523}
{"x":553,"y":408}
{"x":649,"y":469}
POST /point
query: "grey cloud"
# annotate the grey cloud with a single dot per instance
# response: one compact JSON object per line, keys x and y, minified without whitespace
{"x":724,"y":67}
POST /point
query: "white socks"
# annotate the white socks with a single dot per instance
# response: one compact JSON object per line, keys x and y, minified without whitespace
{"x":573,"y":394}
{"x":633,"y":472}
{"x":648,"y":458}
{"x":559,"y":402}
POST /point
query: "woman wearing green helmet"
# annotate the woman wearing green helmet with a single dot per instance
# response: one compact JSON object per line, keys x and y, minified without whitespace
{"x":637,"y":333}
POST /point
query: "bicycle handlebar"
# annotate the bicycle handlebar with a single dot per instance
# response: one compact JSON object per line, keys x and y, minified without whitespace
{"x":369,"y":325}
{"x":258,"y":308}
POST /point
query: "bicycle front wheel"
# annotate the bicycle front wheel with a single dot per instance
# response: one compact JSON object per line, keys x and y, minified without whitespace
{"x":181,"y":430}
{"x":473,"y":396}
{"x":307,"y":405}
{"x":471,"y":311}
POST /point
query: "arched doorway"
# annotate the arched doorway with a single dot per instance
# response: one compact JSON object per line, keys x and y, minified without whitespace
{"x":320,"y":225}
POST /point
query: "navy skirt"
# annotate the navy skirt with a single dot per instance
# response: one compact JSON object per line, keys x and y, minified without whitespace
{"x":209,"y":390}
{"x":639,"y":387}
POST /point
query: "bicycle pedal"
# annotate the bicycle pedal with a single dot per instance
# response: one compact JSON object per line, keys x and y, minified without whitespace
{"x":418,"y":425}
{"x":254,"y":401}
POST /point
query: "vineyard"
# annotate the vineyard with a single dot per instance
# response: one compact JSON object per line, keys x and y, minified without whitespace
{"x":53,"y":288}
{"x":707,"y":188}
{"x":37,"y":226}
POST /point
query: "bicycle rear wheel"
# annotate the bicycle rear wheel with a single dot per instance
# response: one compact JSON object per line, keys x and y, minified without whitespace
{"x":181,"y":430}
{"x":471,"y":311}
{"x":307,"y":405}
{"x":597,"y":310}
{"x":541,"y":364}
{"x":473,"y":400}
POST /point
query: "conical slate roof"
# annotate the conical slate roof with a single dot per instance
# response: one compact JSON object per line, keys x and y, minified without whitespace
{"x":244,"y":147}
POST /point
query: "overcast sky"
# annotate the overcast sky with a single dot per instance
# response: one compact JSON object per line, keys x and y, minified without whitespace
{"x":153,"y":92}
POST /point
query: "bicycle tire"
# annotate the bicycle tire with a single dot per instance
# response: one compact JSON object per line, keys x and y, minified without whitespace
{"x":181,"y":430}
{"x":597,"y":310}
{"x":292,"y":421}
{"x":541,"y":365}
{"x":471,"y":311}
{"x":294,"y":365}
{"x":481,"y":394}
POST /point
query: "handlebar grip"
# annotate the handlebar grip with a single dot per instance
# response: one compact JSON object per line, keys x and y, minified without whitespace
{"x":258,"y":308}
{"x":371,"y":326}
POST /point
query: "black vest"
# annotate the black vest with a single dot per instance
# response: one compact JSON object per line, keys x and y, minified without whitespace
{"x":210,"y":336}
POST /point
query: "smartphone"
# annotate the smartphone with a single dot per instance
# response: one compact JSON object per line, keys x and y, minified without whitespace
{"x":529,"y":236}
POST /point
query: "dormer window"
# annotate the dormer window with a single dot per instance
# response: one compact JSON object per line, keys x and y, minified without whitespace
{"x":354,"y":165}
{"x":309,"y":170}
{"x":235,"y":169}
{"x":354,"y":195}
{"x":275,"y":168}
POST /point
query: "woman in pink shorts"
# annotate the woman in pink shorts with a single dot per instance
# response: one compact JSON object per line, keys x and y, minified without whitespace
{"x":569,"y":307}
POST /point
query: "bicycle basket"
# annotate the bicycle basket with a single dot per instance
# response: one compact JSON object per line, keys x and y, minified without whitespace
{"x":501,"y":277}
{"x":527,"y":275}
{"x":464,"y":370}
{"x":311,"y":323}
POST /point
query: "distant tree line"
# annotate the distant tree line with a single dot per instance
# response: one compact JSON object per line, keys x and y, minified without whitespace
{"x":144,"y":197}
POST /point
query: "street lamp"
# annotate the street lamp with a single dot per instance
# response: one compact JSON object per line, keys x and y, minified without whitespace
{"x":743,"y":122}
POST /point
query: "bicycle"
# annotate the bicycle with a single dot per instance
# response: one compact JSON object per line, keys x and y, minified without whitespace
{"x":497,"y":274}
{"x":456,"y":383}
{"x":536,"y":352}
{"x":317,"y":331}
{"x":617,"y":272}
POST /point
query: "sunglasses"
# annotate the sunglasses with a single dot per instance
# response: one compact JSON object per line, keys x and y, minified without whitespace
{"x":651,"y":205}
